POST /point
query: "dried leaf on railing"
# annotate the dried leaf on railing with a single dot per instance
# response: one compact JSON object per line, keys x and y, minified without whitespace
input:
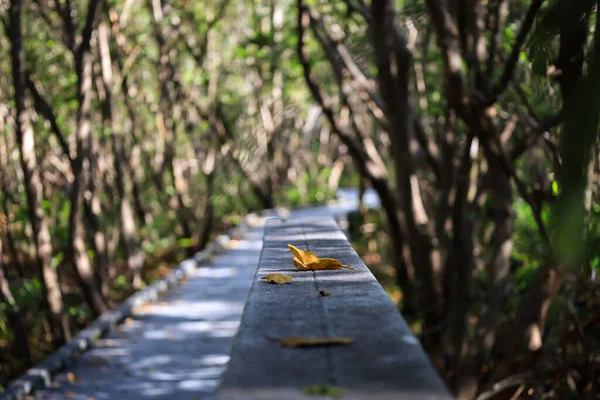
{"x":304,"y":260}
{"x":277,"y":278}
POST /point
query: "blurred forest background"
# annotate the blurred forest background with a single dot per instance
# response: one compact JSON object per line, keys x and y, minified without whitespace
{"x":135,"y":130}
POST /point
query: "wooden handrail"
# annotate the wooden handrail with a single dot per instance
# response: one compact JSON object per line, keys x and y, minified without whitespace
{"x":384,"y":361}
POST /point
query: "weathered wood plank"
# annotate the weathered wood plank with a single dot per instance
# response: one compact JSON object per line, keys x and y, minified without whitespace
{"x":385,"y":361}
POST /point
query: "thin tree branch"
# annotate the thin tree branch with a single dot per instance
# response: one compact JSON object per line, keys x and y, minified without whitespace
{"x":200,"y":55}
{"x":432,"y":153}
{"x":86,"y":33}
{"x":321,"y":99}
{"x":44,"y":108}
{"x":496,"y":36}
{"x":504,"y":384}
{"x":509,"y":67}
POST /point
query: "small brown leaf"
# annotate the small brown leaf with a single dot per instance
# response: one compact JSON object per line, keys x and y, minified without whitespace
{"x":277,"y":278}
{"x":71,"y":377}
{"x":324,"y":293}
{"x":313,"y":341}
{"x":318,"y":390}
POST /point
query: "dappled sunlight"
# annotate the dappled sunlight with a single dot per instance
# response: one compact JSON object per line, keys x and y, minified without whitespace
{"x":248,"y":245}
{"x":216,"y":272}
{"x":199,"y":384}
{"x":206,"y":326}
{"x":178,"y":347}
{"x":151,"y":362}
{"x":192,"y":310}
{"x":213,"y":359}
{"x":181,"y":375}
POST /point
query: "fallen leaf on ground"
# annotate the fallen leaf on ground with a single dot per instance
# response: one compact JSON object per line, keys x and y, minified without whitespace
{"x":324,"y":293}
{"x":318,"y":390}
{"x":277,"y":278}
{"x":71,"y":377}
{"x":70,"y":395}
{"x":313,"y":341}
{"x":304,"y":260}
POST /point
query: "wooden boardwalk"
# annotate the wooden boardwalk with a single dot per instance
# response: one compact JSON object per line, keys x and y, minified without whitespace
{"x":175,"y":348}
{"x":178,"y":347}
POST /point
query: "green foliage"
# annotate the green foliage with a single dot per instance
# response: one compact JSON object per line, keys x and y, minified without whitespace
{"x":28,"y":293}
{"x":542,"y":42}
{"x":275,"y":144}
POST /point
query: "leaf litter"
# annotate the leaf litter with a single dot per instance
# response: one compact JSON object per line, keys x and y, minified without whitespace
{"x":277,"y":278}
{"x":304,"y":260}
{"x":314,"y":341}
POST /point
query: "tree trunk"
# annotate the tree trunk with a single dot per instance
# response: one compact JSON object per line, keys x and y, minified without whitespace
{"x":169,"y":107}
{"x":498,"y":267}
{"x":393,"y":64}
{"x":10,"y":241}
{"x":96,"y":236}
{"x":15,"y":318}
{"x":93,"y":212}
{"x":405,"y":271}
{"x":581,"y":119}
{"x":79,"y":256}
{"x":362,"y":209}
{"x":135,"y":258}
{"x":136,"y":156}
{"x":369,"y":165}
{"x":208,"y":214}
{"x":92,"y":216}
{"x":59,"y":322}
{"x":337,"y":169}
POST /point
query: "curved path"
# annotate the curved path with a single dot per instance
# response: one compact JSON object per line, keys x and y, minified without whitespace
{"x":178,"y":347}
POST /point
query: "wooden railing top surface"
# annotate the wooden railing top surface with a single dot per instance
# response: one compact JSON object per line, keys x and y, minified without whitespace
{"x":385,"y":360}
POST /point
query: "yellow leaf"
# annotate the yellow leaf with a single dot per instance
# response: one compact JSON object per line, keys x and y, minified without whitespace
{"x":277,"y":278}
{"x":313,"y":341}
{"x":305,"y":260}
{"x":300,"y":266}
{"x":324,"y":293}
{"x":327,"y":263}
{"x":303,"y":256}
{"x":71,"y":378}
